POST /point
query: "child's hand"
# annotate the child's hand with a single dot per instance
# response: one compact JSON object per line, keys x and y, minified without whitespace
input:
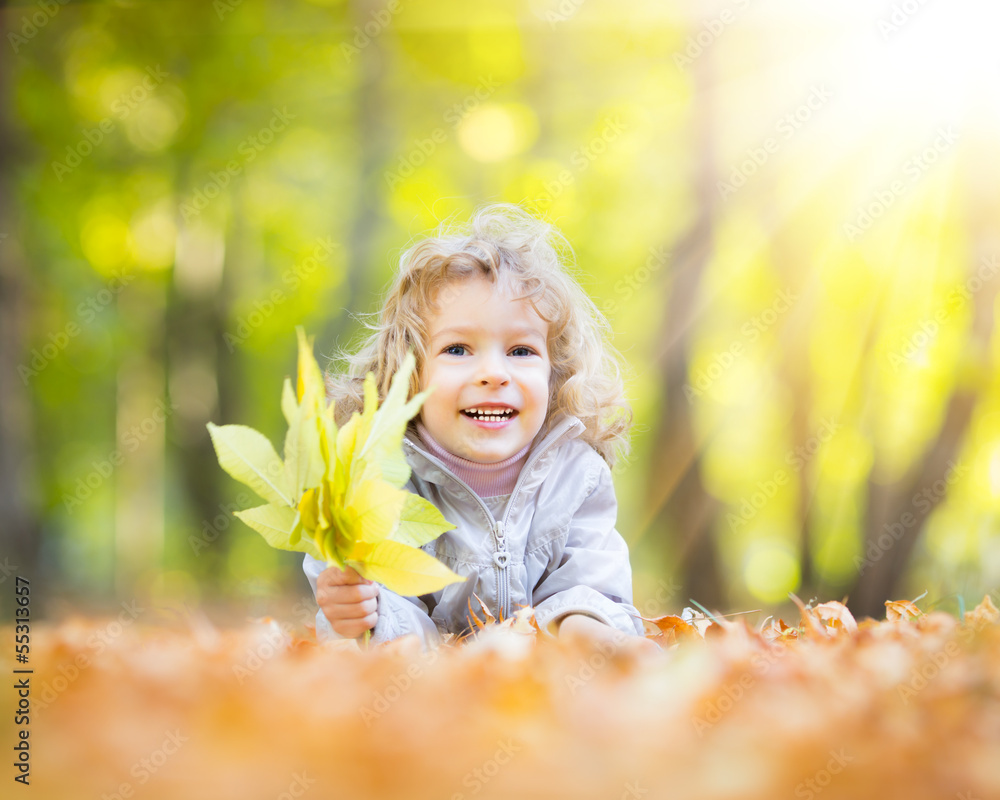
{"x":347,"y":600}
{"x":590,"y":632}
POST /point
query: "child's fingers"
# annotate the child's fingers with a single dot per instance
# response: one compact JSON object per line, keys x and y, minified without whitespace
{"x":346,"y":594}
{"x":351,"y":611}
{"x":355,"y":627}
{"x":332,"y":576}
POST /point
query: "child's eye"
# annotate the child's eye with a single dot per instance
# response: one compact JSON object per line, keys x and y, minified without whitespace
{"x":522,"y":351}
{"x":455,"y":350}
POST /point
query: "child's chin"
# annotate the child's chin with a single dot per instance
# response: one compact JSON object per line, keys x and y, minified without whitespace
{"x":491,"y":456}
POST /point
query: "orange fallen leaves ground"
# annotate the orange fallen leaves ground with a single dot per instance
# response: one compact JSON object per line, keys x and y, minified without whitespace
{"x":821,"y":707}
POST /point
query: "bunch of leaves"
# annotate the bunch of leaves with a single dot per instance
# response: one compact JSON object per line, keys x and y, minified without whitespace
{"x":338,"y":493}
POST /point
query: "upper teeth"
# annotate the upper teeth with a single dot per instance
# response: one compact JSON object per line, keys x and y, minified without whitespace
{"x":490,"y":414}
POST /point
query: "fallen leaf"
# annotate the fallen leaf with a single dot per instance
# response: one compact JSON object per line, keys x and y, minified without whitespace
{"x":901,"y":610}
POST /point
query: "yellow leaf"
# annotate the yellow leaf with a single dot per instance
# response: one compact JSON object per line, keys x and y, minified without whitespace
{"x":375,"y":509}
{"x":419,"y":522}
{"x":277,"y":526}
{"x":347,"y":438}
{"x":309,"y":510}
{"x":303,"y":457}
{"x":288,"y":402}
{"x":250,"y":458}
{"x":400,"y":568}
{"x":310,"y":378}
{"x":382,"y":447}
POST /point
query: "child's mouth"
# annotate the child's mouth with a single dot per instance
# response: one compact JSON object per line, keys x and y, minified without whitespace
{"x":490,"y":413}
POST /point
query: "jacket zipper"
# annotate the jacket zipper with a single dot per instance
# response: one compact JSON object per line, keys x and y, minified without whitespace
{"x":503,"y":578}
{"x":504,"y":603}
{"x":499,"y":527}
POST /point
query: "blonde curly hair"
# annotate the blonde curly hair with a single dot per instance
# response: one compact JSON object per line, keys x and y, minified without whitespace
{"x":528,"y":259}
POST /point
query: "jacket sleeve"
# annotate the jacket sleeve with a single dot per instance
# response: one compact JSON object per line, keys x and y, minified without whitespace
{"x":397,"y":615}
{"x":591,"y":575}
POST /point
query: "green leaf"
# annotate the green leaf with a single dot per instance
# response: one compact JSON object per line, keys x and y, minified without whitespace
{"x":400,"y":568}
{"x":250,"y":458}
{"x":277,"y":526}
{"x":419,"y":522}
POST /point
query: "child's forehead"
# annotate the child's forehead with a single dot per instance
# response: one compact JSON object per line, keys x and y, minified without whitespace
{"x":458,"y":293}
{"x":478,"y":302}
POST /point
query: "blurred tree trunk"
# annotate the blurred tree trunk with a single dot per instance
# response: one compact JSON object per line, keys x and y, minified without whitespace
{"x":897,"y":513}
{"x":792,"y":367}
{"x":688,"y":511}
{"x":372,"y":128}
{"x":19,"y":541}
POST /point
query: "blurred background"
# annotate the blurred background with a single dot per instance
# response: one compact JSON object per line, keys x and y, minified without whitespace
{"x":788,"y":211}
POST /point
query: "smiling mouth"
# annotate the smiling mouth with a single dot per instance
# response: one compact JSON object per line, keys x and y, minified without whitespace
{"x":490,"y":414}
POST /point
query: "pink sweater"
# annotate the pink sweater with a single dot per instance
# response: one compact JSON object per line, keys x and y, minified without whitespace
{"x":486,"y":480}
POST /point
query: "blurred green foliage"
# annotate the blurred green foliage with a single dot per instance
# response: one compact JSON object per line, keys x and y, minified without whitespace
{"x":798,"y":257}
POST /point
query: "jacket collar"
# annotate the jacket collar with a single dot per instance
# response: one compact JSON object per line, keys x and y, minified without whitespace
{"x":432,"y":469}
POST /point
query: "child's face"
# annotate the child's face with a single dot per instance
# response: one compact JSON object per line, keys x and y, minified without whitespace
{"x":485,"y":353}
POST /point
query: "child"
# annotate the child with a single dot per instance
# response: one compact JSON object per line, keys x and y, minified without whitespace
{"x":513,"y":445}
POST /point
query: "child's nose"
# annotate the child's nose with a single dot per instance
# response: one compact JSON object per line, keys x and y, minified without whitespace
{"x":493,"y":371}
